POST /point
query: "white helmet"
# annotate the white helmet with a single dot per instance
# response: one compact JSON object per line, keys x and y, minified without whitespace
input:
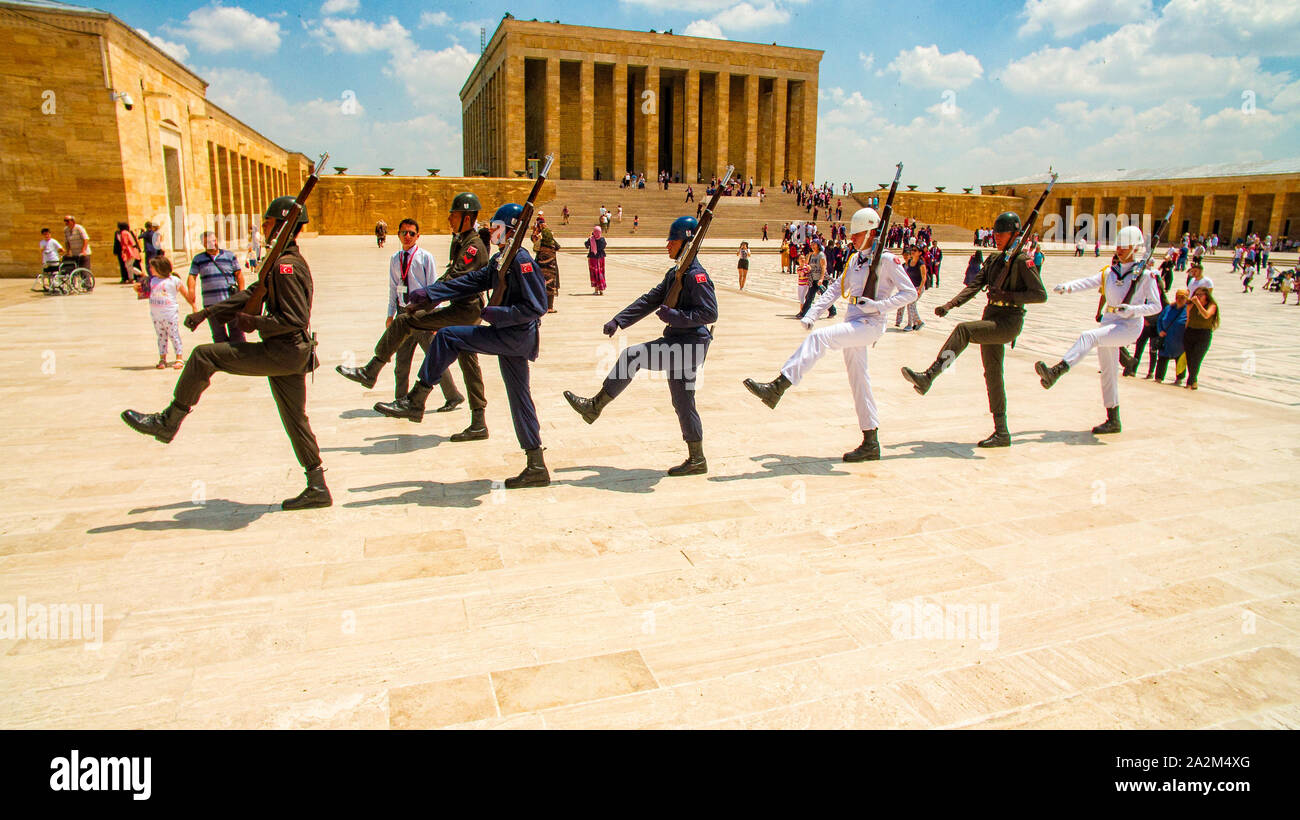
{"x":1130,"y":236}
{"x":864,"y":219}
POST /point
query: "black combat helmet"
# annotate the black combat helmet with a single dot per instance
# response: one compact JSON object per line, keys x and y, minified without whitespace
{"x":465,"y":203}
{"x":279,"y":210}
{"x":1007,"y":222}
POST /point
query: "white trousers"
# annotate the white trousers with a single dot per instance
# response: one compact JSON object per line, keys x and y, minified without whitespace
{"x":1108,"y":337}
{"x":852,"y":338}
{"x":803,"y":292}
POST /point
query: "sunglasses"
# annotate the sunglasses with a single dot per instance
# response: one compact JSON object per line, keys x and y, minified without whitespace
{"x":408,"y":233}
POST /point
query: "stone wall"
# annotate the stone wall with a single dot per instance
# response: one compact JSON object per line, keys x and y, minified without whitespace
{"x":353,"y":204}
{"x":968,"y":211}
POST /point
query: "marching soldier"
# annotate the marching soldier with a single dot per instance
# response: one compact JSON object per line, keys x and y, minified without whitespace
{"x":864,"y":323}
{"x":1130,"y":294}
{"x":285,"y":355}
{"x":468,"y":255}
{"x":544,"y":248}
{"x":518,"y":303}
{"x":679,"y":351}
{"x":1004,"y":317}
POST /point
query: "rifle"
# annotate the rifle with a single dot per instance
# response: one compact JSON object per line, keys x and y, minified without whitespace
{"x":1137,"y":277}
{"x":1012,"y":250}
{"x":882,"y":231}
{"x":687,"y":254}
{"x":253,"y":307}
{"x":507,"y":257}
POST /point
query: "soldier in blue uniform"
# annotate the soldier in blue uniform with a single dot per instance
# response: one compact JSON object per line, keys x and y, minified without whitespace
{"x":512,"y":315}
{"x":679,"y":351}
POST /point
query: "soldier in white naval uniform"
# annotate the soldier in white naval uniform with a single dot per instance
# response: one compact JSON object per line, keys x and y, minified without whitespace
{"x":1130,"y":295}
{"x":863,"y":324}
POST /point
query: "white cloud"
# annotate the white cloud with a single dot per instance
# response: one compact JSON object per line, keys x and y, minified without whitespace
{"x":361,"y":36}
{"x":1259,"y":27}
{"x":744,"y":16}
{"x":704,"y":28}
{"x":1067,"y":17}
{"x":339,"y":6}
{"x":435,"y":18}
{"x":177,"y":51}
{"x":927,"y":67}
{"x":218,"y":28}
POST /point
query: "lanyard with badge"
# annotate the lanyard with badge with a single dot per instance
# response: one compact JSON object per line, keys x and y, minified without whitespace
{"x":406,"y":270}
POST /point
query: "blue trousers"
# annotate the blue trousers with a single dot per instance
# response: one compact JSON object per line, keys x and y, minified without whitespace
{"x":512,"y":347}
{"x":680,"y":358}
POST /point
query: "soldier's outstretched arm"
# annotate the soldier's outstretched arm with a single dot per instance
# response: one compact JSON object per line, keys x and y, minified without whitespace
{"x":531,"y":306}
{"x":644,"y":306}
{"x":967,"y":293}
{"x":469,"y":284}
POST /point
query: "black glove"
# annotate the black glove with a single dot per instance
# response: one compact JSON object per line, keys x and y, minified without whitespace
{"x":610,"y":328}
{"x":941,"y":310}
{"x":195,"y":319}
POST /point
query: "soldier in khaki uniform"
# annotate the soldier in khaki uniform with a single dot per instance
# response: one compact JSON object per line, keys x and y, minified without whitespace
{"x":285,"y":355}
{"x":468,"y":254}
{"x":544,"y":248}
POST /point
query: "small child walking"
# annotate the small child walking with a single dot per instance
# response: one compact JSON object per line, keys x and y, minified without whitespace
{"x":165,"y":289}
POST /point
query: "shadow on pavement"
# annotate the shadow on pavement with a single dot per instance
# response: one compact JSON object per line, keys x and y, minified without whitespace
{"x":391,"y":444}
{"x":217,"y":514}
{"x":774,"y":464}
{"x":613,"y":478}
{"x":427,"y":493}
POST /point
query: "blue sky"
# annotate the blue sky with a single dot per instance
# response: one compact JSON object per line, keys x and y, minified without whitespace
{"x":962,"y":94}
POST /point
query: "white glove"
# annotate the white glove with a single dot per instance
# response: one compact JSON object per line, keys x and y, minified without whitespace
{"x":1059,"y":289}
{"x":807,"y":322}
{"x":1124,"y":312}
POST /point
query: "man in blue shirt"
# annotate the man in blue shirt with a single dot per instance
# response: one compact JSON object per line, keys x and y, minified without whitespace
{"x":513,"y":312}
{"x":679,"y":351}
{"x":220,"y":276}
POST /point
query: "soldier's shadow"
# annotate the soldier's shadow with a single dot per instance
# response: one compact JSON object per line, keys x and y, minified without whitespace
{"x":613,"y":478}
{"x":216,"y":515}
{"x":1073,"y":437}
{"x":359,"y":413}
{"x":391,"y":444}
{"x":931,"y":449}
{"x":774,"y":464}
{"x":426,"y":494}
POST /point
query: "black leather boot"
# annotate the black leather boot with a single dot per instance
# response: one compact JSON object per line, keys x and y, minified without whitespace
{"x":1111,"y":424}
{"x":694,"y":463}
{"x":769,"y":392}
{"x":922,"y":381}
{"x":1127,"y":362}
{"x":1047,"y":376}
{"x":1000,"y":437}
{"x":316,"y":494}
{"x":590,"y":408}
{"x":364,"y":376}
{"x":868,"y":450}
{"x":162,"y":426}
{"x":450,"y":404}
{"x":534,"y":475}
{"x":477,"y":428}
{"x":409,"y":407}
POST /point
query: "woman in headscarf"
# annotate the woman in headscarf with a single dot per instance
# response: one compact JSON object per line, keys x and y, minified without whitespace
{"x":596,"y":261}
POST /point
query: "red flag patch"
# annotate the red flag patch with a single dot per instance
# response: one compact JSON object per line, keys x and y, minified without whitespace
{"x":286,"y":268}
{"x":468,"y":258}
{"x":527,"y":267}
{"x":701,"y":278}
{"x":471,"y":251}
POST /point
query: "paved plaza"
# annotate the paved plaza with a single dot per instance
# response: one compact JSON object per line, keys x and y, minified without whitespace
{"x":1141,"y":580}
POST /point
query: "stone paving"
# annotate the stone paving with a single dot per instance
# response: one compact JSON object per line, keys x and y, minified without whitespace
{"x":1146,"y":579}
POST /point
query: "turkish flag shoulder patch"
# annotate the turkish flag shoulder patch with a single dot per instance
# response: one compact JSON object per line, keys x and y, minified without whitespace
{"x":701,"y":278}
{"x":471,"y":251}
{"x":526,"y":267}
{"x":284,"y":268}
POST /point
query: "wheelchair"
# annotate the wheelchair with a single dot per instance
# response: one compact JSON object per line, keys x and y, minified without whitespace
{"x":65,"y":278}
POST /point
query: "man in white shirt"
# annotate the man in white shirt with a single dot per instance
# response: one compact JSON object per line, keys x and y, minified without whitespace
{"x":1131,"y":294}
{"x":863,"y":325}
{"x":413,"y":268}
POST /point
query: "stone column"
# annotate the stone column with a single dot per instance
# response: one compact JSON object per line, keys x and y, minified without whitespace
{"x":1175,"y":230}
{"x":648,"y":120}
{"x":724,"y":121}
{"x":514,"y":102}
{"x":587,"y":98}
{"x":1275,"y":216}
{"x":552,"y":105}
{"x":750,"y":167}
{"x":1239,"y":215}
{"x":619,"y":134}
{"x":776,"y":168}
{"x":676,"y":166}
{"x":1207,"y":215}
{"x":691,"y":145}
{"x":808,"y":163}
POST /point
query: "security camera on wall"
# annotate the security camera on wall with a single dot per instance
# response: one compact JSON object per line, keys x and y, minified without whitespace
{"x":127,"y":102}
